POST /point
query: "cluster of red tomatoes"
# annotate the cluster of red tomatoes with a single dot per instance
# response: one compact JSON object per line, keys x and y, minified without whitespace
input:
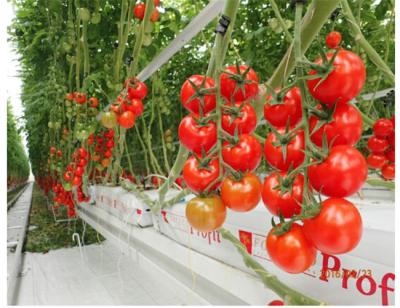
{"x":241,"y":152}
{"x":103,"y":145}
{"x":63,"y":197}
{"x":337,"y":172}
{"x":382,"y":148}
{"x":140,"y":9}
{"x":81,"y":99}
{"x":128,"y":106}
{"x":75,"y":171}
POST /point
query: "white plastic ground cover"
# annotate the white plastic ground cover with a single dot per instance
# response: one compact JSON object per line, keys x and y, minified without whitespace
{"x":372,"y":261}
{"x":372,"y":282}
{"x":124,"y":205}
{"x":101,"y":275}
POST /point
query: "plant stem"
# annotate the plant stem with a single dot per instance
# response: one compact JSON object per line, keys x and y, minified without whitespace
{"x":278,"y":15}
{"x":302,"y":85}
{"x":139,"y":39}
{"x":359,"y":37}
{"x":290,"y":296}
{"x":315,"y":17}
{"x":381,"y":183}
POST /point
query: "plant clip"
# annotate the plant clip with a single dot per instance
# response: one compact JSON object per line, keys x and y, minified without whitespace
{"x":335,"y":14}
{"x":222,"y":25}
{"x":116,"y":44}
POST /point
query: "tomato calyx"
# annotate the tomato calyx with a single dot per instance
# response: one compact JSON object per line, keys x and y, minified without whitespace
{"x":322,"y":70}
{"x":240,"y":78}
{"x":200,"y":91}
{"x":309,"y":210}
{"x":286,"y":183}
{"x":324,"y":116}
{"x":233,"y":111}
{"x":284,"y":138}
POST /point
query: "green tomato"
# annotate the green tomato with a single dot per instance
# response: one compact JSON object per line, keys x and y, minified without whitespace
{"x":50,"y":125}
{"x":108,"y":119}
{"x":67,"y":186}
{"x":84,"y":14}
{"x":147,"y":40}
{"x":96,"y":18}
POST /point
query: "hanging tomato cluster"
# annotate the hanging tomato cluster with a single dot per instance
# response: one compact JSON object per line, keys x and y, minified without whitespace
{"x":337,"y":169}
{"x":128,"y":106}
{"x":102,"y":146}
{"x":382,"y":148}
{"x":241,"y":153}
{"x":310,"y":148}
{"x":140,"y":9}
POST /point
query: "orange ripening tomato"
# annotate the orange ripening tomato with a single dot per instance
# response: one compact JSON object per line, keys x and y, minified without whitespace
{"x":242,"y":195}
{"x":206,"y":214}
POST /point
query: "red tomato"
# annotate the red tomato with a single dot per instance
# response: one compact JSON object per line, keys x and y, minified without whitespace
{"x":294,"y":153}
{"x":287,"y":203}
{"x":291,"y":252}
{"x":333,"y":39}
{"x":388,"y":172}
{"x":108,"y":134}
{"x":287,"y":110}
{"x":139,"y":10}
{"x":231,"y":88}
{"x":107,"y":154}
{"x":127,"y":119}
{"x":110,"y":144}
{"x":383,"y":128}
{"x":377,"y":145}
{"x":155,"y":15}
{"x":244,"y":156}
{"x":93,"y":102}
{"x":198,"y":178}
{"x":276,"y":303}
{"x":77,"y":181}
{"x":242,"y":195}
{"x":206,"y":214}
{"x":136,"y":89}
{"x":245,"y":121}
{"x":341,"y":174}
{"x":80,"y":98}
{"x":391,"y":155}
{"x":344,"y":128}
{"x":59,"y":153}
{"x":83,"y":153}
{"x":53,"y":150}
{"x":67,"y":176}
{"x":376,"y":161}
{"x":135,"y":105}
{"x":336,"y":229}
{"x":197,"y":137}
{"x":343,"y":83}
{"x":70,"y":96}
{"x":79,"y":171}
{"x":192,"y":103}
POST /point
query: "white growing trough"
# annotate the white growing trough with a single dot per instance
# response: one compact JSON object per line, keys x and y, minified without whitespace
{"x":212,"y":267}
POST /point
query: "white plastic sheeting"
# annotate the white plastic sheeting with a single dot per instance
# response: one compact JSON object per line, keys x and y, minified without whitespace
{"x":104,"y":276}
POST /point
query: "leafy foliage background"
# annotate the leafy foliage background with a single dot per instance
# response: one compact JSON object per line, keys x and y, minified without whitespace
{"x":42,"y":36}
{"x":17,"y":160}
